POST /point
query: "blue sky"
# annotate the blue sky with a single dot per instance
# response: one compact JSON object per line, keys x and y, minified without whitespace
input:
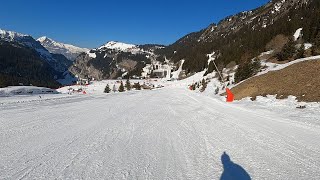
{"x":91,"y":23}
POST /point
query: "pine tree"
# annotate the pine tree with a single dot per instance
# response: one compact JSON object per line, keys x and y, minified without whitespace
{"x":317,"y":40}
{"x":137,"y":86}
{"x":287,"y":51}
{"x":316,"y":45}
{"x":107,"y":89}
{"x":121,"y":87}
{"x":193,"y":87}
{"x":301,"y":51}
{"x":247,"y":70}
{"x":128,"y":85}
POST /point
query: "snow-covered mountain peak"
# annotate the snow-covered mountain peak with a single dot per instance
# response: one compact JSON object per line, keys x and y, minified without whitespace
{"x":11,"y":35}
{"x":44,"y":39}
{"x":25,"y":40}
{"x":118,"y":46}
{"x":68,"y":50}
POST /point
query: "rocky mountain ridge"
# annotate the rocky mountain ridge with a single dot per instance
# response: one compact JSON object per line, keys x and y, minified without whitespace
{"x":68,"y":50}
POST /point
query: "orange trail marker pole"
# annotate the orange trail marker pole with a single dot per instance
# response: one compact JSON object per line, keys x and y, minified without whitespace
{"x":230,"y":96}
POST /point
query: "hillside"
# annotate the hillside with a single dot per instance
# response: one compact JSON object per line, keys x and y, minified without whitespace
{"x":301,"y":80}
{"x":243,"y":36}
{"x":25,"y":61}
{"x":22,"y":65}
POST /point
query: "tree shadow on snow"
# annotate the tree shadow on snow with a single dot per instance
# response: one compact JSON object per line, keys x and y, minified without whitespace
{"x":232,"y":171}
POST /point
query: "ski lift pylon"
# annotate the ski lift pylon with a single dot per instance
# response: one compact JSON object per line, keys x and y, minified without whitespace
{"x":230,"y":96}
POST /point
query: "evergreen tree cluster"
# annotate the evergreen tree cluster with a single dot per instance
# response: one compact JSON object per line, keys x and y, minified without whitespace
{"x":137,"y":86}
{"x":128,"y":85}
{"x":247,"y":70}
{"x":288,"y":51}
{"x":121,"y":87}
{"x":204,"y":85}
{"x":201,"y":85}
{"x":301,"y":52}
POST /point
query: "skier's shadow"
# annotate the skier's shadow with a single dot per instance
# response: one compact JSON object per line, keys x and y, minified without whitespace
{"x":232,"y":171}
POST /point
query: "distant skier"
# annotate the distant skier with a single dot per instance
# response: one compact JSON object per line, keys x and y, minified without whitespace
{"x":40,"y":96}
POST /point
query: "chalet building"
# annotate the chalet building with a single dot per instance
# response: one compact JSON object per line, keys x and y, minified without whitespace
{"x":157,"y":70}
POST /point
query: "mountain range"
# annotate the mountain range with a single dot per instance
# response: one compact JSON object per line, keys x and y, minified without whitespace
{"x":114,"y":59}
{"x":24,"y":60}
{"x":237,"y":39}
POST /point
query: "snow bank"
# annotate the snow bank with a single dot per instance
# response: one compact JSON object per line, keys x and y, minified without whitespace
{"x":25,"y":90}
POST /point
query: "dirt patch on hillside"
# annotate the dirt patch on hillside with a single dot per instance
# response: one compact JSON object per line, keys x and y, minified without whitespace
{"x":301,"y":80}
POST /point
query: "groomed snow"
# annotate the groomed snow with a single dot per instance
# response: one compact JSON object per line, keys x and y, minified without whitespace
{"x":168,"y":133}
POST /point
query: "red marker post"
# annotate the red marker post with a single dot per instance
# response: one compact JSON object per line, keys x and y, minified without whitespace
{"x":230,"y":96}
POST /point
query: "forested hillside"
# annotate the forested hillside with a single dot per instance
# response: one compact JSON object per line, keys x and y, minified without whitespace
{"x":242,"y":37}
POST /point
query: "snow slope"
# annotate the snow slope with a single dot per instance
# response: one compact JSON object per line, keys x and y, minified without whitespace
{"x":175,"y":74}
{"x":118,"y":46}
{"x":171,"y":133}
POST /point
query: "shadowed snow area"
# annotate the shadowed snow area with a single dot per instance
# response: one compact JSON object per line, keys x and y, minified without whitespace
{"x":171,"y":133}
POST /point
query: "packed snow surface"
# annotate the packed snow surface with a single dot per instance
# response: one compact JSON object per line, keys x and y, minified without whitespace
{"x":168,"y":133}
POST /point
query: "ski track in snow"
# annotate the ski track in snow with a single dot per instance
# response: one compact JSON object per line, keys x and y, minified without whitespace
{"x":170,"y":133}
